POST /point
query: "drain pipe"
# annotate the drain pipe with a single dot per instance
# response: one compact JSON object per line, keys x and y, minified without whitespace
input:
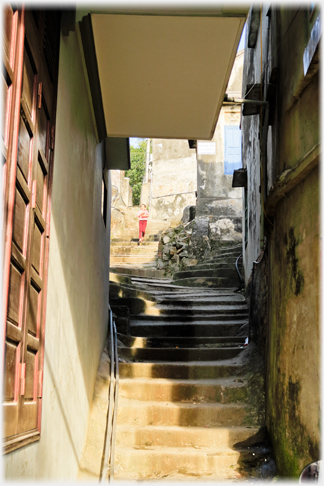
{"x":107,"y":462}
{"x":239,"y":274}
{"x":256,"y":262}
{"x":114,"y":425}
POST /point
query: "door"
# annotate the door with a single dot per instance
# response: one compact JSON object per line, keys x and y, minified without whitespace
{"x":29,"y":167}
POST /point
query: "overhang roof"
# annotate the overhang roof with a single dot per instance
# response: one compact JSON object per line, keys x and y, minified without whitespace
{"x":163,"y":75}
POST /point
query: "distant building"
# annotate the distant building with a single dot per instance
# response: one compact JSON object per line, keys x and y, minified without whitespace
{"x":183,"y":176}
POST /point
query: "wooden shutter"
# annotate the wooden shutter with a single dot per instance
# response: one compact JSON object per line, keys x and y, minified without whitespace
{"x":27,"y":224}
{"x":233,"y":159}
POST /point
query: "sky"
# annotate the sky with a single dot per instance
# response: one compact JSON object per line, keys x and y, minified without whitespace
{"x":135,"y":141}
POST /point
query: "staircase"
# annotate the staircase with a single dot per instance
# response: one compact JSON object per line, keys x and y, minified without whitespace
{"x":125,"y":251}
{"x":191,"y":403}
{"x":187,"y":407}
{"x":218,"y":271}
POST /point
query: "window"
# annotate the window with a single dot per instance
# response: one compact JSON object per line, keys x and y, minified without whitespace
{"x":232,"y":159}
{"x":30,"y":156}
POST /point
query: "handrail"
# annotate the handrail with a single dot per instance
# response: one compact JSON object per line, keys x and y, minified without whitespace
{"x":113,"y":438}
{"x":256,"y":262}
{"x":107,"y":463}
{"x":236,"y":264}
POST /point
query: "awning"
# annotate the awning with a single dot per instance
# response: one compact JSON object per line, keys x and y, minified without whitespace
{"x":161,"y":75}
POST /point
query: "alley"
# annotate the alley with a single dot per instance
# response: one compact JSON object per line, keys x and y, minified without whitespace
{"x":218,"y":310}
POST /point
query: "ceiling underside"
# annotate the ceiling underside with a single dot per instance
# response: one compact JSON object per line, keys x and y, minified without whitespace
{"x":164,"y":76}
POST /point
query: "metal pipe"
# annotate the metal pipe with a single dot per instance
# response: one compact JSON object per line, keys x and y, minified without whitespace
{"x":113,"y":439}
{"x":147,"y":158}
{"x":240,"y":101}
{"x":256,"y":262}
{"x":104,"y":470}
{"x":237,"y":269}
{"x":263,"y":174}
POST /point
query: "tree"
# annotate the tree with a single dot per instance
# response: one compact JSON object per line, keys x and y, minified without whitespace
{"x":137,"y":170}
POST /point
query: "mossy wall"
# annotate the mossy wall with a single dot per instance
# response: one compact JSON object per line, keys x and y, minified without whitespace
{"x":293,"y":358}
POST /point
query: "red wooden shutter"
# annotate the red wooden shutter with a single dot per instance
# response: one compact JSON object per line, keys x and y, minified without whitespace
{"x":28,"y":189}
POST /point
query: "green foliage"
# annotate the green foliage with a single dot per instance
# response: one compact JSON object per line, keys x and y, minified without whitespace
{"x":137,"y":170}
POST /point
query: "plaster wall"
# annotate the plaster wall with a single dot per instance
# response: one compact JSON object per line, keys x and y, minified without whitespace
{"x":251,"y":161}
{"x":121,"y":189}
{"x":77,"y":300}
{"x":293,"y":395}
{"x":174,"y":179}
{"x":290,"y":326}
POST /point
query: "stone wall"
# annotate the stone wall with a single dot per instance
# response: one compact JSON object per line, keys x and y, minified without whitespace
{"x":174,"y":180}
{"x":288,"y":280}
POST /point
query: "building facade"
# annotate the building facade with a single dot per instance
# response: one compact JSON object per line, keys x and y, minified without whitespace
{"x":281,"y":153}
{"x":56,"y":247}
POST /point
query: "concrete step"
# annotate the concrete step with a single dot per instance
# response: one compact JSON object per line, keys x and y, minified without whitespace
{"x":133,"y":412}
{"x":217,"y":261}
{"x":131,"y":259}
{"x":193,"y":309}
{"x":176,"y":463}
{"x":215,"y":271}
{"x":144,"y":271}
{"x":175,"y":436}
{"x":181,"y":342}
{"x":185,"y":315}
{"x":193,"y":370}
{"x":195,"y":391}
{"x":199,"y":328}
{"x":179,"y":354}
{"x":133,"y":250}
{"x":208,"y":282}
{"x":202,"y":300}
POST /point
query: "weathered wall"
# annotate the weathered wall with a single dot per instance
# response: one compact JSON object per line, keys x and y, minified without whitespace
{"x":76,"y":323}
{"x":121,"y":188}
{"x":251,"y":161}
{"x":216,"y":197}
{"x":290,"y":326}
{"x":174,"y":179}
{"x":293,"y":398}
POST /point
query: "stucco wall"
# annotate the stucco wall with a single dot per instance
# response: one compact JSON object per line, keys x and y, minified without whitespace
{"x":251,"y":160}
{"x":290,"y":326}
{"x":77,"y":300}
{"x":293,"y":398}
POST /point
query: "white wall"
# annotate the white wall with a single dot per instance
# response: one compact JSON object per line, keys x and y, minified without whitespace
{"x":77,"y":301}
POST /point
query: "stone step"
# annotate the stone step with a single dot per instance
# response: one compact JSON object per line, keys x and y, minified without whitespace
{"x":179,"y":354}
{"x":139,"y":413}
{"x":144,"y":271}
{"x":133,"y":250}
{"x":193,"y":309}
{"x":189,"y":315}
{"x":131,"y":259}
{"x":217,"y":261}
{"x":176,"y":463}
{"x":183,"y":342}
{"x":194,"y":391}
{"x":132,"y":235}
{"x":176,"y":436}
{"x":208,"y":282}
{"x":202,"y":300}
{"x":215,"y":271}
{"x":199,"y":328}
{"x":193,"y":370}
